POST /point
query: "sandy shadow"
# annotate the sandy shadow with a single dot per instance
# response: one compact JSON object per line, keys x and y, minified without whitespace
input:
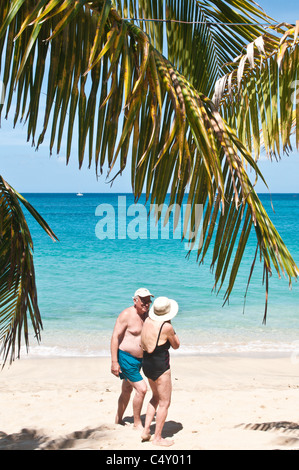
{"x":32,"y":439}
{"x":287,"y":430}
{"x":281,"y":426}
{"x":170,"y":427}
{"x":26,"y":439}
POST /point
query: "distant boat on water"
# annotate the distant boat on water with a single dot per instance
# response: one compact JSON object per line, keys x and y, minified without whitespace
{"x":79,"y":194}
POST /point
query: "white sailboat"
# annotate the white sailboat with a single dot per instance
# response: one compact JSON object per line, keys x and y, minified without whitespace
{"x":79,"y":194}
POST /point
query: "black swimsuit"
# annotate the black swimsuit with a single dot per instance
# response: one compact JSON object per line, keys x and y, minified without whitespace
{"x":156,"y":363}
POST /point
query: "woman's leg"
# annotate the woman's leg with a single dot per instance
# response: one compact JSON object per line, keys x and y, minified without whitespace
{"x":150,"y":412}
{"x":164,"y":389}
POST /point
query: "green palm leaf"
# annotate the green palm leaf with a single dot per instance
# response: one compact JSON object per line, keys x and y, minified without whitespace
{"x":18,"y":296}
{"x":199,"y":50}
{"x":260,"y":96}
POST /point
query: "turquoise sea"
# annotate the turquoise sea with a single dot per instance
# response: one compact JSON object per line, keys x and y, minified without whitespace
{"x":84,"y":281}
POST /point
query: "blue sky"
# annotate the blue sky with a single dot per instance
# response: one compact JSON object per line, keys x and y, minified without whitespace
{"x":28,"y":170}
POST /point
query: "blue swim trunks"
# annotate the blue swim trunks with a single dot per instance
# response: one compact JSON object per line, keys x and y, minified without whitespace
{"x":130,"y":366}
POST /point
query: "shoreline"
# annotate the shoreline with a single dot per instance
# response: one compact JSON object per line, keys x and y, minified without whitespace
{"x":218,"y":402}
{"x":291,"y":355}
{"x":191,"y":345}
{"x":225,"y":349}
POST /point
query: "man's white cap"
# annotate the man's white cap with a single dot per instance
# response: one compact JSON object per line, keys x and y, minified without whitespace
{"x":143,"y":292}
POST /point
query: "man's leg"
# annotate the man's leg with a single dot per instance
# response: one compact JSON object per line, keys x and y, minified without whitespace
{"x":140,"y":391}
{"x":126,"y":390}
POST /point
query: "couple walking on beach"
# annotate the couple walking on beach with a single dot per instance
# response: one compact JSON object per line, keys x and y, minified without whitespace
{"x":142,"y":337}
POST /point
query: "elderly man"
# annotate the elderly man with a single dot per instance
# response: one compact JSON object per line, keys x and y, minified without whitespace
{"x":126,"y":354}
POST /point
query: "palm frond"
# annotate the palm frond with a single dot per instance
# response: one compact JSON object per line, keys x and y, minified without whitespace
{"x":18,"y":296}
{"x":259,"y":97}
{"x":199,"y":36}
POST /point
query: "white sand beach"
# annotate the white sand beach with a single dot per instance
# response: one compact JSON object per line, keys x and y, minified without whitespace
{"x":217,"y":403}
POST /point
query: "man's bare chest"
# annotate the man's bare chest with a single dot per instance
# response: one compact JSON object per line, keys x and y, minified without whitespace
{"x":134,"y":327}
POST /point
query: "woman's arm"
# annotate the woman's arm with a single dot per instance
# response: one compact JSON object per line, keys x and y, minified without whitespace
{"x":172,"y":337}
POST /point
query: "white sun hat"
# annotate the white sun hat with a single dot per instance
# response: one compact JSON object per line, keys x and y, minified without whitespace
{"x":143,"y":292}
{"x":163,"y":309}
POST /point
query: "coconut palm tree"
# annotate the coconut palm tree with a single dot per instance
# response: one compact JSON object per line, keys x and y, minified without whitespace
{"x":153,"y":86}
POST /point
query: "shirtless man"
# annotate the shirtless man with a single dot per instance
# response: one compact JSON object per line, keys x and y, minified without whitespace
{"x":126,"y":355}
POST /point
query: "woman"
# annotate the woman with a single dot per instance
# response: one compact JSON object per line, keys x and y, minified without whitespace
{"x":156,"y":338}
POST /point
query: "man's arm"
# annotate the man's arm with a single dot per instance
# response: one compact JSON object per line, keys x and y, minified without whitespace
{"x":118,"y":333}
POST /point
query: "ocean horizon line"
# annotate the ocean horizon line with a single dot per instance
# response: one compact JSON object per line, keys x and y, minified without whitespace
{"x":142,"y":194}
